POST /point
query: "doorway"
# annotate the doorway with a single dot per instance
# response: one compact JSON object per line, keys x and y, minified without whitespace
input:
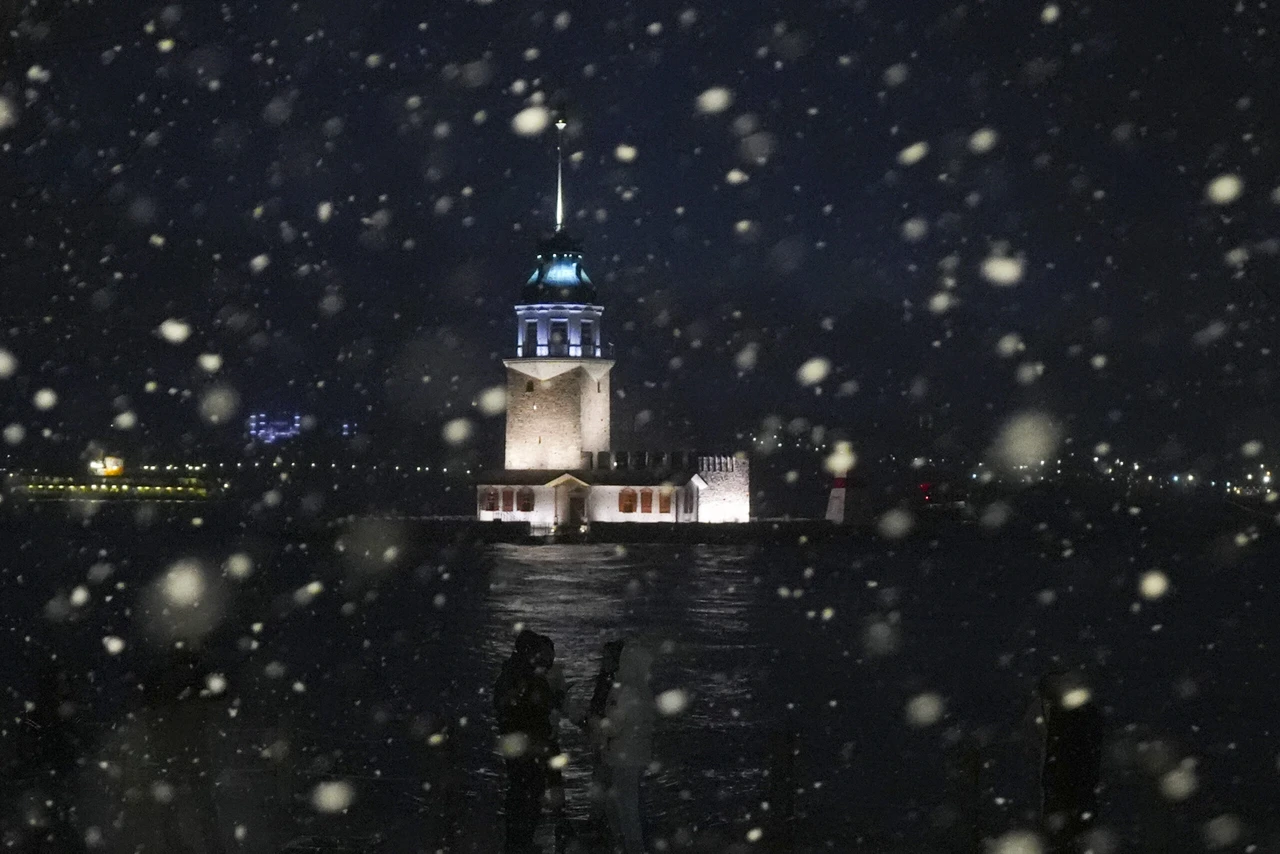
{"x":577,"y":508}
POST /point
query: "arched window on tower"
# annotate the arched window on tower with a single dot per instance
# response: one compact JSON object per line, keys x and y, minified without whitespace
{"x":528,"y":387}
{"x":627,"y":501}
{"x":508,"y":500}
{"x":530,"y":339}
{"x":646,"y":501}
{"x":558,"y":337}
{"x":524,"y":500}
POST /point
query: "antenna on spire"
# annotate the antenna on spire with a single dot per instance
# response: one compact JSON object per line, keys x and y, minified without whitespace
{"x":559,"y":175}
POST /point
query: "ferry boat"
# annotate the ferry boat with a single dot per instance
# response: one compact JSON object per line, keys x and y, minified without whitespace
{"x":107,"y":481}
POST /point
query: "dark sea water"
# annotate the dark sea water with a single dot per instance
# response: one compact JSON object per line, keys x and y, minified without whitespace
{"x":365,"y":656}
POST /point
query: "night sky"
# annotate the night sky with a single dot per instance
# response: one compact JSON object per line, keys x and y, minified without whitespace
{"x":366,"y":154}
{"x":964,"y":231}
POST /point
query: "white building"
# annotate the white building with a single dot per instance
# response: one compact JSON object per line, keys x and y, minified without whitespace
{"x":559,"y":467}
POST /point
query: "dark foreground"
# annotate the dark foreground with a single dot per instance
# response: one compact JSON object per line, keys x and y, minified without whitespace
{"x":362,"y":656}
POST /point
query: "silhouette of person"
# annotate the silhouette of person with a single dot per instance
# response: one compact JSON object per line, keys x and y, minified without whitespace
{"x":523,"y":700}
{"x":628,"y":744}
{"x":1072,"y":758}
{"x":592,"y":722}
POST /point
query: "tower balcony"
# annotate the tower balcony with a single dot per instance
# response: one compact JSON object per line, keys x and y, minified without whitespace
{"x":564,"y":351}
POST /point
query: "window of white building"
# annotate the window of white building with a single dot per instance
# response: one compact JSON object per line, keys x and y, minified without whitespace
{"x":627,"y":501}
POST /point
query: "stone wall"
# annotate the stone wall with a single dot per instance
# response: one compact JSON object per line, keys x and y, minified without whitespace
{"x":544,"y":421}
{"x":727,"y":497}
{"x":556,"y":410}
{"x":595,"y":412}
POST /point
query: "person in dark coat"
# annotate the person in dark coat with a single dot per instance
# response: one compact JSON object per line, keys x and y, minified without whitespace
{"x":523,"y":700}
{"x":1072,"y":759}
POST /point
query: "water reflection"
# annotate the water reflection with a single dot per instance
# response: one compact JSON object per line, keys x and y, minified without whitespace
{"x":692,"y":607}
{"x":356,"y":681}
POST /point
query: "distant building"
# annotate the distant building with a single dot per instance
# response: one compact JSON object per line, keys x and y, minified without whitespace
{"x":271,"y":430}
{"x":559,"y":468}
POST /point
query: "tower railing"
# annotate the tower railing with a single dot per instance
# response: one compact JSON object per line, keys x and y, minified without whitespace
{"x":564,"y":351}
{"x":663,"y":460}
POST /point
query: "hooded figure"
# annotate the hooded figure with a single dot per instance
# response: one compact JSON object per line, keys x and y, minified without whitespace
{"x":523,"y":700}
{"x":627,"y":730}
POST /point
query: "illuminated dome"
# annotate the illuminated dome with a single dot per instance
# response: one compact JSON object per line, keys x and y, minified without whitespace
{"x":559,"y":276}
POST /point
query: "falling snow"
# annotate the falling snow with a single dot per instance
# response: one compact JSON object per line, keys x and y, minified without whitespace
{"x":531,"y":121}
{"x":717,"y":99}
{"x":968,"y":311}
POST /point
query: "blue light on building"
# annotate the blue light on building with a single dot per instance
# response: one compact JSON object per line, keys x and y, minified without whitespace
{"x":561,"y":270}
{"x":271,"y":430}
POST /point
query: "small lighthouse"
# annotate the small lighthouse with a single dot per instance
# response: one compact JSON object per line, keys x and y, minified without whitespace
{"x":558,"y":381}
{"x":835,"y":501}
{"x":848,"y":502}
{"x":559,"y":470}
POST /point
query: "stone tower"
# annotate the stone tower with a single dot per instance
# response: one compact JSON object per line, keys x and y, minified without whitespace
{"x":558,"y":383}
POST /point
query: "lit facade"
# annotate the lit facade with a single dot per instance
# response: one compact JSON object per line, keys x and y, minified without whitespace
{"x":560,"y":470}
{"x":678,"y":487}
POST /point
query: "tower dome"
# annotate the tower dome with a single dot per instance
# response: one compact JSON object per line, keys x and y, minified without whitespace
{"x":559,"y":276}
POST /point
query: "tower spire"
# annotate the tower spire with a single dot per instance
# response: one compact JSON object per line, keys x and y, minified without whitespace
{"x":559,"y":175}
